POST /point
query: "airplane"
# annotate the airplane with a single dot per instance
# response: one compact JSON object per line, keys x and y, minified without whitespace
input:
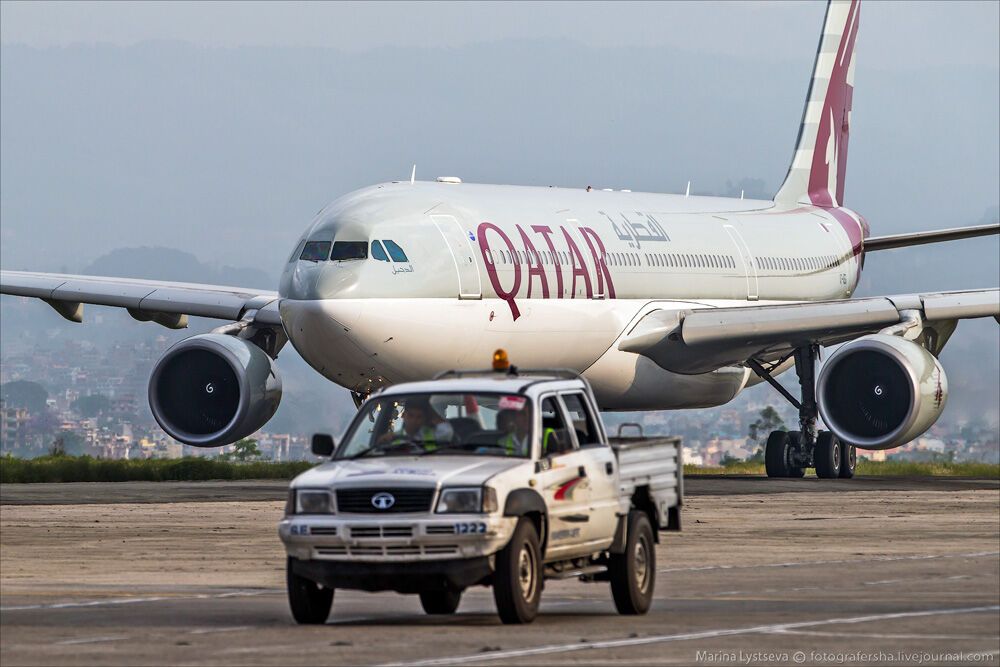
{"x":661,"y":301}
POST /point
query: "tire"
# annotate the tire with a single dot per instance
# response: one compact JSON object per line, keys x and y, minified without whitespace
{"x":848,"y":460}
{"x":517,"y":581}
{"x":440,"y":602}
{"x":777,"y":454}
{"x":827,"y":455}
{"x":310,"y":603}
{"x":794,"y":438}
{"x":633,"y":573}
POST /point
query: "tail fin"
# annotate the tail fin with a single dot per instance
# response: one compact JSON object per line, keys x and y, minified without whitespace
{"x":816,"y":175}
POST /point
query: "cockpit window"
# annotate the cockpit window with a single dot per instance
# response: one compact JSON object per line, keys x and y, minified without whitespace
{"x":395,"y":251}
{"x":296,"y":252}
{"x":345,"y":250}
{"x":378,"y":252}
{"x":315,"y":251}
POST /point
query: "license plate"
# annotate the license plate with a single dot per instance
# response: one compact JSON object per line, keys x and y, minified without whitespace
{"x":476,"y":528}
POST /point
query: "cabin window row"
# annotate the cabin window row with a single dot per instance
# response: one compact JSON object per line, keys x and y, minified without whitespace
{"x":667,"y":260}
{"x":797,"y":263}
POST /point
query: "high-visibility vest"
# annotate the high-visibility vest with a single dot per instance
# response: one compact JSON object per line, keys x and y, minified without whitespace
{"x":546,"y":435}
{"x":510,"y":445}
{"x":425,"y":433}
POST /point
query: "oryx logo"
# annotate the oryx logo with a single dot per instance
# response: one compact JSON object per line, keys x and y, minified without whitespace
{"x":383,"y":501}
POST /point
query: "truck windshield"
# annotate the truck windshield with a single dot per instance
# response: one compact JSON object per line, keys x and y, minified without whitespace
{"x":483,"y":424}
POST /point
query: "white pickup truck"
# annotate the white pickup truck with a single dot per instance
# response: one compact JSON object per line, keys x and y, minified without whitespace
{"x":501,"y":479}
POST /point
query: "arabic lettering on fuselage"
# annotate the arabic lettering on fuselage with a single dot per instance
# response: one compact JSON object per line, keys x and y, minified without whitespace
{"x":401,"y":268}
{"x":634,"y":233}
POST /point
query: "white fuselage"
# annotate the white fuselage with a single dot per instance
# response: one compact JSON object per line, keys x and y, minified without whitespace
{"x":555,"y":276}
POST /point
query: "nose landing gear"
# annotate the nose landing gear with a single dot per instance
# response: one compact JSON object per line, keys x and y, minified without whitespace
{"x":789,"y":453}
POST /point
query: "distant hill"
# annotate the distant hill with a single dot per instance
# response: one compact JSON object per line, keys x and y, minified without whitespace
{"x":155,"y":263}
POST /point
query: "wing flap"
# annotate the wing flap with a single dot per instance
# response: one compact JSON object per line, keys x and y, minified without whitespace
{"x":703,"y":340}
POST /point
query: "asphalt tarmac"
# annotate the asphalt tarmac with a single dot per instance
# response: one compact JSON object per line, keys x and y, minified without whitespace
{"x":865,"y":571}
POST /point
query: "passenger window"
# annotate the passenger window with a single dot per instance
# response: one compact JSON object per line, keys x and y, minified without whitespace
{"x":555,"y":436}
{"x":378,"y":252}
{"x":346,"y":250}
{"x":582,"y":420}
{"x":315,"y":251}
{"x":395,"y":251}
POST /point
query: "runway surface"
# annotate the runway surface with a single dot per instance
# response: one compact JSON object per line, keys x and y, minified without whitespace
{"x":765,"y":572}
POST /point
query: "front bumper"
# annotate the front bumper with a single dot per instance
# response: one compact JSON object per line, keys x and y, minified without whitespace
{"x":399,"y":577}
{"x":399,"y":539}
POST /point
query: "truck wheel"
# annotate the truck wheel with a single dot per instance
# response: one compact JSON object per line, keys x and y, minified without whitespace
{"x":517,"y":582}
{"x":440,"y":602}
{"x":633,"y":573}
{"x":310,"y":602}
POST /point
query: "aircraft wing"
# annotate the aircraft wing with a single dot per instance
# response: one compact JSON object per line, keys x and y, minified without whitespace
{"x":702,"y":340}
{"x":167,"y":303}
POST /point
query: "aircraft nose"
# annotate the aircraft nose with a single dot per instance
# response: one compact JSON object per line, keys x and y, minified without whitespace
{"x":305,"y":281}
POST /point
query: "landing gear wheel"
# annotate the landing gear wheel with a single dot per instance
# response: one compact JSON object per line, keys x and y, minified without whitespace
{"x":827,"y":455}
{"x":794,"y":440}
{"x":517,"y":582}
{"x":440,"y":602}
{"x":633,"y":573}
{"x":777,"y":454}
{"x":848,"y":460}
{"x":310,"y":602}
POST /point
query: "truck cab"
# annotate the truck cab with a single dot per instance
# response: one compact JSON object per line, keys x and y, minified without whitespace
{"x":498,"y":478}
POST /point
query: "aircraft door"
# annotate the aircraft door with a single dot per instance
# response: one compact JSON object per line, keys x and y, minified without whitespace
{"x":743,"y":252}
{"x":460,"y":245}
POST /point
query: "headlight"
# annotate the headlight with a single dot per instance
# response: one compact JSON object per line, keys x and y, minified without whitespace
{"x":313,"y":502}
{"x":467,"y":501}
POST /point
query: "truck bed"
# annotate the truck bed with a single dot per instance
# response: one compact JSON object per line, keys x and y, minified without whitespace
{"x":654,"y":462}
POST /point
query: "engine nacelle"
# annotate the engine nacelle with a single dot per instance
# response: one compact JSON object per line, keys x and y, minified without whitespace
{"x":213,"y":389}
{"x":881,"y":391}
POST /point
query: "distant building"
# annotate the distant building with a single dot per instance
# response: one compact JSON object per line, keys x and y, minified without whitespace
{"x":13,"y":426}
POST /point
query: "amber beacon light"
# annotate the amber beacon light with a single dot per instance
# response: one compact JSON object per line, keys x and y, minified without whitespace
{"x":500,"y":361}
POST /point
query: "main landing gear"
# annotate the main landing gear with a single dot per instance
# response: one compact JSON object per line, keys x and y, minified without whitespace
{"x":789,"y":453}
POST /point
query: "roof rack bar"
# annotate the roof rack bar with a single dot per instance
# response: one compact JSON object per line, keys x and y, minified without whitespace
{"x":513,"y":372}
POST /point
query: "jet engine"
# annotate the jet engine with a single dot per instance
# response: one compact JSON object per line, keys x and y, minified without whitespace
{"x":881,"y":391}
{"x":213,"y":389}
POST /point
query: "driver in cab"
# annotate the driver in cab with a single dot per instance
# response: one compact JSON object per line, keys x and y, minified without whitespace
{"x":422,"y":427}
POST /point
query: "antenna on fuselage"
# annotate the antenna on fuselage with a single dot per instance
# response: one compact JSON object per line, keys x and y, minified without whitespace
{"x":687,"y":192}
{"x":413,"y":174}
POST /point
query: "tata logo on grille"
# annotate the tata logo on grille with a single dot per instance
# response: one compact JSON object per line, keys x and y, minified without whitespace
{"x":383,"y":501}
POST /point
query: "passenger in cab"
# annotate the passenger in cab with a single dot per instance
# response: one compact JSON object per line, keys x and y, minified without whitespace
{"x":516,"y":425}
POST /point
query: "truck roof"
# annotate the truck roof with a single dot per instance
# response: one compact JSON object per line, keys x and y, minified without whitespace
{"x":487,"y":382}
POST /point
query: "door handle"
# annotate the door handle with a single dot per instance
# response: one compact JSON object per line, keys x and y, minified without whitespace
{"x":582,"y":472}
{"x":609,"y":468}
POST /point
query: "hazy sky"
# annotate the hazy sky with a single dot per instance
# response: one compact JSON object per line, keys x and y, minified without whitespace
{"x":910,"y":34}
{"x":220,"y":128}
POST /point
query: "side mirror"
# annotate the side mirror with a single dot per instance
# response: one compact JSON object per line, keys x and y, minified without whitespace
{"x":322,"y":444}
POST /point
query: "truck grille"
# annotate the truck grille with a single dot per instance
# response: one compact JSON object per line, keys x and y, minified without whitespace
{"x":381,"y":531}
{"x":387,"y":551}
{"x":359,"y":501}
